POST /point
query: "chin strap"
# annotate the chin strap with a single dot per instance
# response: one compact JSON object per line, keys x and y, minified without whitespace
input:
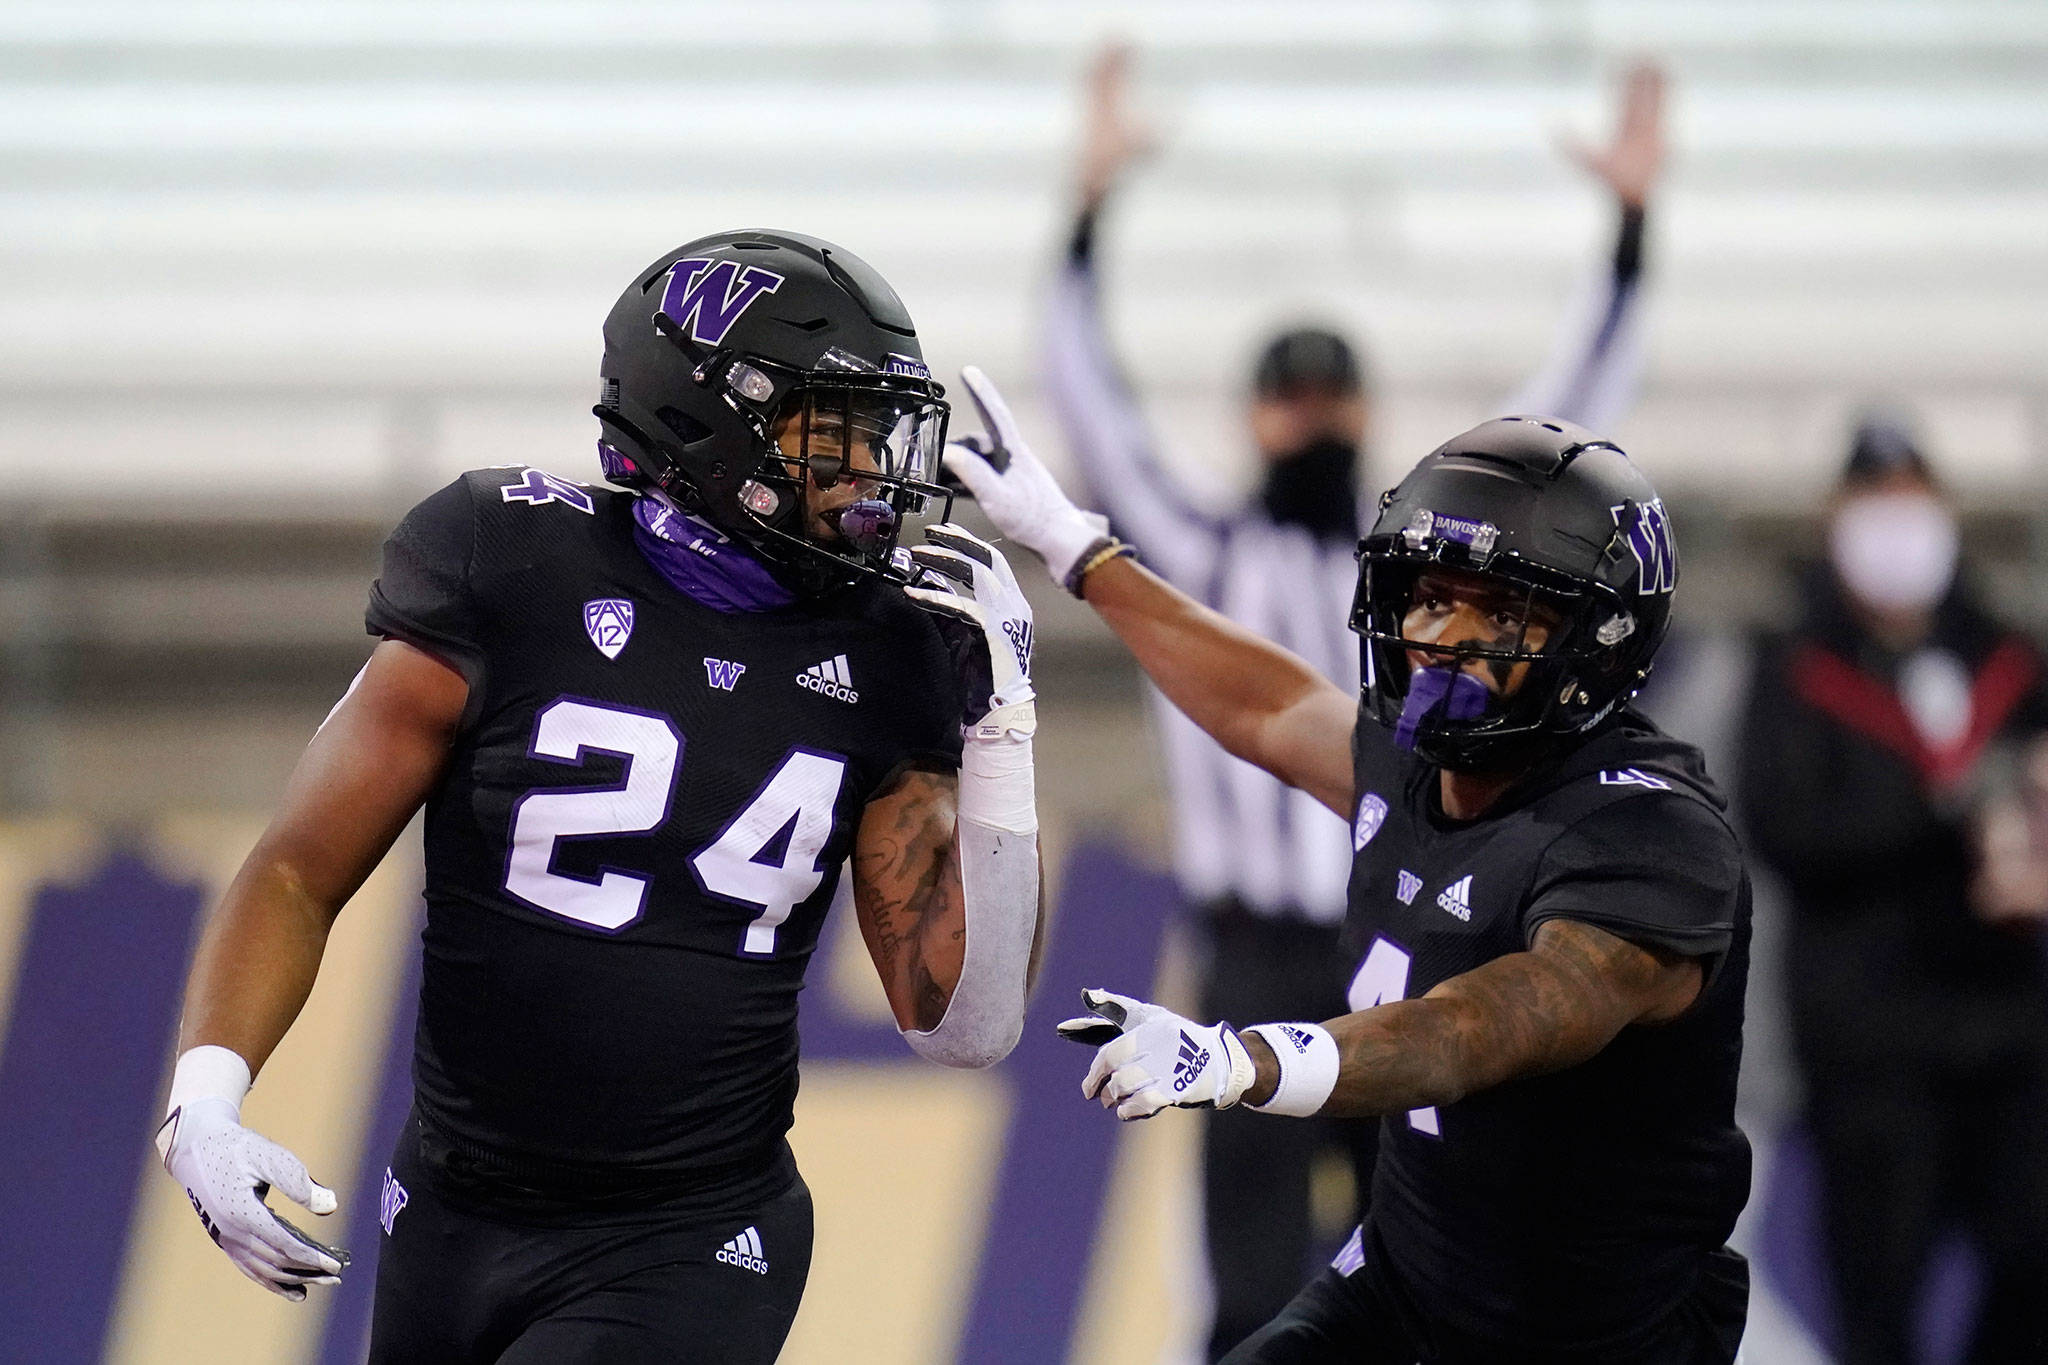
{"x":1460,"y":696}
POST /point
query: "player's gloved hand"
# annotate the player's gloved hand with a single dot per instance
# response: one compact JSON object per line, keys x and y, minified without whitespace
{"x":227,"y":1170}
{"x":1147,"y":1057}
{"x":1018,"y":494}
{"x":969,"y":586}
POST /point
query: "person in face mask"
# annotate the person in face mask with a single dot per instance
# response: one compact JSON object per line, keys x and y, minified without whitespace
{"x":1263,"y":868}
{"x":1874,"y":734}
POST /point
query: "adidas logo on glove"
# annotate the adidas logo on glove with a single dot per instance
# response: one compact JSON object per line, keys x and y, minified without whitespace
{"x":1192,"y":1059}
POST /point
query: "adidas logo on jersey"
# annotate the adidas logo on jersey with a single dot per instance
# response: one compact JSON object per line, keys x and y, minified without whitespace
{"x":829,"y":679}
{"x":1457,"y":898}
{"x":1193,"y":1057}
{"x":745,"y":1252}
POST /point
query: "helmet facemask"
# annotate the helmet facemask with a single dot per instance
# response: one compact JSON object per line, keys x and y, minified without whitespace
{"x":1474,"y":668}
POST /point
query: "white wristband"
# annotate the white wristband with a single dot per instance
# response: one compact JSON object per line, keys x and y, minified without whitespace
{"x":209,"y":1073}
{"x":1307,"y":1055}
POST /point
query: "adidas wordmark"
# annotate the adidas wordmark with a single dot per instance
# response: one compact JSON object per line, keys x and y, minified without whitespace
{"x":1457,"y":898}
{"x":744,"y":1251}
{"x":830,"y":679}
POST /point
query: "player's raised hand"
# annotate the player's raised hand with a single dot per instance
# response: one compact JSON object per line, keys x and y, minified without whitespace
{"x":967,"y":583}
{"x":1017,"y":492}
{"x":1630,"y":163}
{"x":1147,"y":1058}
{"x":227,"y":1170}
{"x":1114,"y":138}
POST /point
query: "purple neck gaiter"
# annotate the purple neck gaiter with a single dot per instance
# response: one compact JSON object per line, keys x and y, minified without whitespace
{"x":707,"y":566}
{"x":1462,"y":697}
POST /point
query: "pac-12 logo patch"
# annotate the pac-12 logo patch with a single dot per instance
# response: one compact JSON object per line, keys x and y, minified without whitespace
{"x":608,"y":622}
{"x":1372,"y":813}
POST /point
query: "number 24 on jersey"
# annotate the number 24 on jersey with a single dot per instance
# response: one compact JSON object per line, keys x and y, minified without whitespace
{"x":798,"y":798}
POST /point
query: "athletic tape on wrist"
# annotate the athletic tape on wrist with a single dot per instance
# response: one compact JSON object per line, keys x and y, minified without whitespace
{"x":997,"y":786}
{"x":1308,"y":1068}
{"x":209,"y":1073}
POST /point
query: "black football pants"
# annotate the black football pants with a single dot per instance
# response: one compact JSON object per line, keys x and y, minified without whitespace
{"x":1364,"y":1319}
{"x":1255,"y":1170}
{"x":455,"y":1287}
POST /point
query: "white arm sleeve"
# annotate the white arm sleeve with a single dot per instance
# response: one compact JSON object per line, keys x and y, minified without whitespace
{"x":1595,"y":364}
{"x":1111,"y":441}
{"x":998,"y":833}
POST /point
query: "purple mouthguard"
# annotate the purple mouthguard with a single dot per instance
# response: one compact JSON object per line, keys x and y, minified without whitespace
{"x":868,"y":525}
{"x":1462,"y":697}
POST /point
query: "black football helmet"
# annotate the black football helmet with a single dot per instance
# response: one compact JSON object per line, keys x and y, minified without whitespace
{"x":772,"y":383}
{"x":1579,"y":538}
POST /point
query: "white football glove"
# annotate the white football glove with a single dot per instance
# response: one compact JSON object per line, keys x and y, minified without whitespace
{"x":968,"y":584}
{"x":1148,"y":1058}
{"x":1017,"y":493}
{"x":227,"y":1170}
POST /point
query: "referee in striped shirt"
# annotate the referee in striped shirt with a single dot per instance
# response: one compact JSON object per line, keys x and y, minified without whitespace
{"x":1262,"y":866}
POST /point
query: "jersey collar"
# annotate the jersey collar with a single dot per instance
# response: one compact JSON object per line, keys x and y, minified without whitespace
{"x":701,"y":562}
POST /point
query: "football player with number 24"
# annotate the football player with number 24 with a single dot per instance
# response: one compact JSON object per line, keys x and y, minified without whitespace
{"x":1548,"y":911}
{"x":648,"y":725}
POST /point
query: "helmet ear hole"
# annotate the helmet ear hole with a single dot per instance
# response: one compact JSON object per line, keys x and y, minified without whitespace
{"x":687,"y":428}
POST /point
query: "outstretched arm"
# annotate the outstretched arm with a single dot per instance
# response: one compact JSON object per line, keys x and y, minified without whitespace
{"x":1524,"y":1014}
{"x":1261,"y":703}
{"x":1591,"y":373}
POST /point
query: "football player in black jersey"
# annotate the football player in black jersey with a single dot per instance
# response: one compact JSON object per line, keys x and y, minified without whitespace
{"x":1548,"y":912}
{"x":648,"y":726}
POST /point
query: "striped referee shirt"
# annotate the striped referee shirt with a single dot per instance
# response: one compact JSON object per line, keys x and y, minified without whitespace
{"x":1239,"y":833}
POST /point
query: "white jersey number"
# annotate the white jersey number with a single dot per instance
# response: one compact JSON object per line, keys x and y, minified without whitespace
{"x":767,"y":855}
{"x":793,"y":809}
{"x":1383,"y":976}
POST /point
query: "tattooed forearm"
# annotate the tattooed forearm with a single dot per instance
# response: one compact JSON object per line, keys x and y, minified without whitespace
{"x":907,"y":893}
{"x":1525,"y":1014}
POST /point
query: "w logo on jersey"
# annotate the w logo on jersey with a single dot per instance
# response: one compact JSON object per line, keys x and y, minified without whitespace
{"x":705,"y":297}
{"x":1649,"y":539}
{"x":723,"y":674}
{"x":1020,"y":640}
{"x":391,"y":1202}
{"x":608,"y":622}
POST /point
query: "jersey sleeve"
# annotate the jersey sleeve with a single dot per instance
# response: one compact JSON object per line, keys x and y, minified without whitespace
{"x":424,"y":594}
{"x":1659,"y":869}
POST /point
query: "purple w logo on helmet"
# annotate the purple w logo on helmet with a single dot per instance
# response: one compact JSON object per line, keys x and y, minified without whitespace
{"x":1649,"y":536}
{"x":704,"y":298}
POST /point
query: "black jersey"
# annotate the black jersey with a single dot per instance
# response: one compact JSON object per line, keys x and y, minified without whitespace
{"x":1564,"y":1212}
{"x":631,"y":852}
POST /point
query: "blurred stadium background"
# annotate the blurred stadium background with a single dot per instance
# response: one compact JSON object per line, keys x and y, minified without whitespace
{"x":270,"y":273}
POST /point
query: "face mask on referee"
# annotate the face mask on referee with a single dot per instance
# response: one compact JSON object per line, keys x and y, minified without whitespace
{"x":1308,"y":418}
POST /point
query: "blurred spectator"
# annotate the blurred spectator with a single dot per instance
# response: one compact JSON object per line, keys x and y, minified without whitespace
{"x":1872,"y":747}
{"x":1265,"y":867}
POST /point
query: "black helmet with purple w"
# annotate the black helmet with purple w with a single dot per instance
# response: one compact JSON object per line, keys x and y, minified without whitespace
{"x":1562,"y":553}
{"x":772,"y":384}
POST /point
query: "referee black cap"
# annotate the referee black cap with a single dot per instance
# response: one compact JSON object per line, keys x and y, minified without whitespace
{"x":1884,"y":443}
{"x":1306,"y":360}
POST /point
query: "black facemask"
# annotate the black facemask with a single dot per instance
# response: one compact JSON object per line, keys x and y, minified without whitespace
{"x":1314,"y":487}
